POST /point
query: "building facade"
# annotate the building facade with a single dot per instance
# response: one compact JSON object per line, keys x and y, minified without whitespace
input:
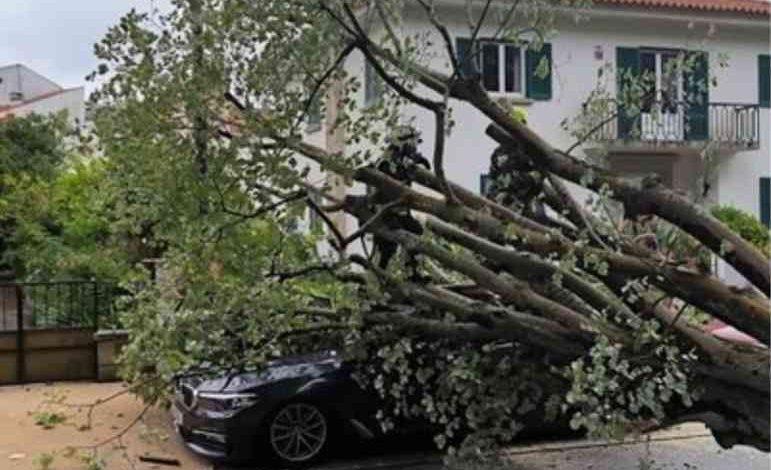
{"x":714,"y":148}
{"x":24,"y":91}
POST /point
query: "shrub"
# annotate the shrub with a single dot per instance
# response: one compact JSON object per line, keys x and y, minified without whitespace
{"x":746,"y":225}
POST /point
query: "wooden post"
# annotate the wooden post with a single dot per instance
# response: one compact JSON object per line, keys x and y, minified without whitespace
{"x":20,"y":366}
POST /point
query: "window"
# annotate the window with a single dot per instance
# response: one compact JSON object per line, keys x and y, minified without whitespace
{"x":373,"y":84}
{"x":764,"y":81}
{"x":313,"y":118}
{"x":314,"y":219}
{"x":501,"y":68}
{"x":16,"y":96}
{"x":484,"y":185}
{"x":665,"y":85}
{"x":684,"y":98}
{"x":506,"y":68}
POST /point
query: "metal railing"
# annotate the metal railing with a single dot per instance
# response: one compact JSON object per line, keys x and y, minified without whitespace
{"x":734,"y":125}
{"x":62,"y":304}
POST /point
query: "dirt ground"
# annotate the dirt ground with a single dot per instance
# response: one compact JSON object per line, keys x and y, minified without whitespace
{"x":24,"y":444}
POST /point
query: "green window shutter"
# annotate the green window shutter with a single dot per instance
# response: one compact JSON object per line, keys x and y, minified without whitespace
{"x":697,"y":99}
{"x":468,"y":62}
{"x":764,"y":81}
{"x":765,"y":201}
{"x":627,"y":74}
{"x":538,"y":87}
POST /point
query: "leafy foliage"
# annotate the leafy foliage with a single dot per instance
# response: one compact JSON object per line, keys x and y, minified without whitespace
{"x":62,"y":228}
{"x":746,"y":225}
{"x":201,"y":114}
{"x":476,"y":395}
{"x":225,"y":306}
{"x":49,"y":419}
{"x":53,"y":208}
{"x":614,"y":391}
{"x":32,"y":146}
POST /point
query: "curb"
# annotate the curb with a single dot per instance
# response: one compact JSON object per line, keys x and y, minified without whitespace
{"x":416,"y":460}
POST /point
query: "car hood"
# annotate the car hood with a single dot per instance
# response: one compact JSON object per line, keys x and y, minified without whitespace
{"x":311,"y":365}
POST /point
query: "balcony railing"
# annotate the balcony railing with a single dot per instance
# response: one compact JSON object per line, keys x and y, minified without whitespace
{"x":732,"y":125}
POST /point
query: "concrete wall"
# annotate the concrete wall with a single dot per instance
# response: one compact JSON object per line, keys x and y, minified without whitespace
{"x":109,"y":345}
{"x":49,"y":355}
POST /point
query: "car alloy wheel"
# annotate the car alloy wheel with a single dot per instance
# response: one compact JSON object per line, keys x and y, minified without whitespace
{"x":298,"y":432}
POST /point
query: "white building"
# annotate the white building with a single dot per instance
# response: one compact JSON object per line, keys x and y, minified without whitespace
{"x":24,"y":91}
{"x":621,"y":34}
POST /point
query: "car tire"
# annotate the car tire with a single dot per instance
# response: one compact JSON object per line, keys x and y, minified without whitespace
{"x":298,"y":434}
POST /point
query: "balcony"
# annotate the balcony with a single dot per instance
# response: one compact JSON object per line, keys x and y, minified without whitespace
{"x":731,"y":126}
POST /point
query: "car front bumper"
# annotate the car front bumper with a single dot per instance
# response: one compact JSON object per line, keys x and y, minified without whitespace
{"x":224,"y":439}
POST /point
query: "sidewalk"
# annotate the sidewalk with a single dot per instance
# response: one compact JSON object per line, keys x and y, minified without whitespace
{"x":687,"y":447}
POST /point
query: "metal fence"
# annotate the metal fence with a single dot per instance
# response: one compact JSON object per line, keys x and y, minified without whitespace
{"x":735,"y":125}
{"x":62,"y":304}
{"x":47,"y":329}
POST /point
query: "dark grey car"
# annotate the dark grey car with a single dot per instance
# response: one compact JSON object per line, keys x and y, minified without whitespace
{"x":291,"y":413}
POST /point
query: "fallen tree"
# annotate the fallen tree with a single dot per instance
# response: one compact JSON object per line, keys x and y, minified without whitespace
{"x":533,"y":303}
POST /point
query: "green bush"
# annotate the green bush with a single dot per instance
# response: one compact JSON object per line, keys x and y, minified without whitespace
{"x":746,"y":225}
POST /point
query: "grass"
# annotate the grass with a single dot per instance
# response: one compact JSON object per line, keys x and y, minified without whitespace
{"x":48,"y":419}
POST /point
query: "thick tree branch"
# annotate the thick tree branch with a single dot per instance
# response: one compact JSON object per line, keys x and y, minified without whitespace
{"x":443,"y":32}
{"x":383,"y":15}
{"x":722,"y":241}
{"x":511,"y":290}
{"x":532,"y":267}
{"x":653,"y":199}
{"x":558,"y":347}
{"x":746,"y":312}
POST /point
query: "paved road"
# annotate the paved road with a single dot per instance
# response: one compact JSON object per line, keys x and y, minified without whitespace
{"x":688,"y":447}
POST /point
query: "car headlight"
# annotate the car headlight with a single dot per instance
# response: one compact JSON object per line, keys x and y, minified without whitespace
{"x":225,"y":403}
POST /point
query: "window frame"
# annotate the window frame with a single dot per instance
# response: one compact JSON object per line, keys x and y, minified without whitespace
{"x":502,"y":67}
{"x":667,"y":103}
{"x":314,"y":116}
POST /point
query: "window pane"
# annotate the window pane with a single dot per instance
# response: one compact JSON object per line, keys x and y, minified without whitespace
{"x":670,"y":82}
{"x":313,"y":116}
{"x":513,"y":70}
{"x":484,"y":184}
{"x":648,"y":79}
{"x":491,"y":67}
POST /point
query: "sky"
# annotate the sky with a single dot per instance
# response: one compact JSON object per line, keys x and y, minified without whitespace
{"x":56,"y":37}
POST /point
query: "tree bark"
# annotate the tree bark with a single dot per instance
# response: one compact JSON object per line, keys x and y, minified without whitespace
{"x":654,"y":199}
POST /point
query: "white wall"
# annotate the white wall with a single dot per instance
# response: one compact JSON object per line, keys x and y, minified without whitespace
{"x":575,"y":68}
{"x":20,"y":79}
{"x":71,"y":101}
{"x":574,"y":75}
